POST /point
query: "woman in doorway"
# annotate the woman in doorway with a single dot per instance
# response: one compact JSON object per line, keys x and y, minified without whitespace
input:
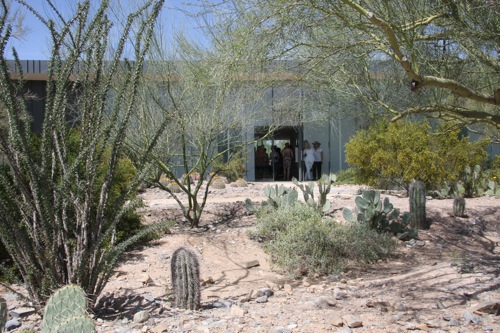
{"x":308,"y":154}
{"x":318,"y":160}
{"x":287,"y":161}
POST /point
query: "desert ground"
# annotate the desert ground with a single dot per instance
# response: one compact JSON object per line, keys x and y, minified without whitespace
{"x":446,"y":281}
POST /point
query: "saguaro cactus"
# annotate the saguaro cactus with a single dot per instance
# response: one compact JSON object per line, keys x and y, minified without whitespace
{"x":3,"y":313}
{"x":417,"y":205}
{"x":458,"y":206}
{"x":185,"y":270}
{"x":66,"y":311}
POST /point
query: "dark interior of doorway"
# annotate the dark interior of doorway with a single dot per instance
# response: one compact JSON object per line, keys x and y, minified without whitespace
{"x":278,"y":138}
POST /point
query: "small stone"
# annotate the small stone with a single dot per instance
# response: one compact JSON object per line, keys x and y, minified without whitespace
{"x":147,"y":281}
{"x":421,"y":327}
{"x":22,"y":312}
{"x":265,"y":292}
{"x":141,"y":317}
{"x":490,"y":307}
{"x":373,"y":304}
{"x":401,"y":307}
{"x":272,"y":285}
{"x":432,"y":324}
{"x":237,"y":311}
{"x":440,"y":305}
{"x":288,"y":288}
{"x":352,"y":321}
{"x":161,"y":328}
{"x":222,"y":304}
{"x":250,"y":264}
{"x":12,"y":325}
{"x":281,"y":329}
{"x":323,"y":302}
{"x":470,"y":317}
{"x":149,"y":298}
{"x":338,"y":294}
{"x":208,"y":281}
{"x":337,"y":321}
{"x":261,"y":299}
{"x":203,"y":329}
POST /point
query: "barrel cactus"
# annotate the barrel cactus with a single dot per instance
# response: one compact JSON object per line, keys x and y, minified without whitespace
{"x":174,"y":187}
{"x":458,"y":207}
{"x":240,"y":182}
{"x":417,"y":205}
{"x":66,"y":311}
{"x":185,"y":270}
{"x":218,"y":183}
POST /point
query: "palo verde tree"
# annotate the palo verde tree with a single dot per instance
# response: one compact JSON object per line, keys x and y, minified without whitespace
{"x":440,"y":56}
{"x":209,"y":102}
{"x":57,"y":185}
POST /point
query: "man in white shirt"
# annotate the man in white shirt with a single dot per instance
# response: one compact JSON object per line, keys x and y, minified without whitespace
{"x":318,"y":160}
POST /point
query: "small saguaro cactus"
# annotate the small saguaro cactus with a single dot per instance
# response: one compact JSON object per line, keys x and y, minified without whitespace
{"x":66,"y":311}
{"x":458,"y":206}
{"x":417,"y":205}
{"x":185,"y":270}
{"x":3,"y":313}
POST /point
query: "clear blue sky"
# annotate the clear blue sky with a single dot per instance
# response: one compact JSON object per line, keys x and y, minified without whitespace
{"x":35,"y":45}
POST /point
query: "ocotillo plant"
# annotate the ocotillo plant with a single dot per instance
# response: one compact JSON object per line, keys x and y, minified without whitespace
{"x":458,"y":206}
{"x":66,"y":311}
{"x":185,"y":270}
{"x":417,"y":205}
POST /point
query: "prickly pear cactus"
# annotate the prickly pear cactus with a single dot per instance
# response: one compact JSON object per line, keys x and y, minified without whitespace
{"x":3,"y":313}
{"x":458,"y":206}
{"x":417,"y":205}
{"x":185,"y":270}
{"x":66,"y":311}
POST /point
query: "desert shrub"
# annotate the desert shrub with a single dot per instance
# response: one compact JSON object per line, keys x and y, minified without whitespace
{"x":301,"y":241}
{"x":347,"y":176}
{"x":395,"y":153}
{"x":232,"y":169}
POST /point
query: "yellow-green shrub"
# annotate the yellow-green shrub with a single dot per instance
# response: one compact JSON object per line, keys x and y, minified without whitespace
{"x":395,"y":153}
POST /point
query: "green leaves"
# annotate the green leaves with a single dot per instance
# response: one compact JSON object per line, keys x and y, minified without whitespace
{"x":396,"y":153}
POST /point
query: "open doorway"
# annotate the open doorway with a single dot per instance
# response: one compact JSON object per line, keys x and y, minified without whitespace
{"x":268,"y":153}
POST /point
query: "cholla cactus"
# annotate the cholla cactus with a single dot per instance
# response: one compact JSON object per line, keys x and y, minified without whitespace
{"x":66,"y":311}
{"x":185,"y":270}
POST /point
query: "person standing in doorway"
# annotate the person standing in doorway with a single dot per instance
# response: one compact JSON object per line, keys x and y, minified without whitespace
{"x":318,"y":160}
{"x":308,"y":155}
{"x":287,"y":161}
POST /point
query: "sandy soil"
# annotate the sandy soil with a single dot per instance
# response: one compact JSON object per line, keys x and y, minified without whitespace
{"x":431,"y":285}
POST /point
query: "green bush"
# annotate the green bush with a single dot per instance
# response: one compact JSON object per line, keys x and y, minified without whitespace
{"x":347,"y":176}
{"x":233,"y":169}
{"x":300,"y":240}
{"x":396,"y":153}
